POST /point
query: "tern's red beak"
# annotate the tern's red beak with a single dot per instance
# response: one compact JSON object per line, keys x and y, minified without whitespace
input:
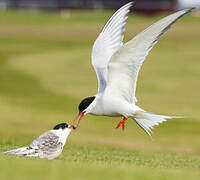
{"x":77,"y":116}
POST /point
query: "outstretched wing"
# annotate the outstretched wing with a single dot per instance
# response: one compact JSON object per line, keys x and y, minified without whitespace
{"x":125,"y":64}
{"x":107,"y":43}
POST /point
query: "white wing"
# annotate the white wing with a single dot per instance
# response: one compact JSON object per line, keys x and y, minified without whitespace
{"x":125,"y":64}
{"x":108,"y":42}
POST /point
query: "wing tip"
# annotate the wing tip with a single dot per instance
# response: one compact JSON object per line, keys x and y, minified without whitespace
{"x":190,"y":9}
{"x":128,"y":5}
{"x":186,"y":11}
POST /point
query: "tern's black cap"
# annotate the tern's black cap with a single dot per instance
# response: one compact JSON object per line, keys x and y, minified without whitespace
{"x":61,"y":126}
{"x":85,"y":103}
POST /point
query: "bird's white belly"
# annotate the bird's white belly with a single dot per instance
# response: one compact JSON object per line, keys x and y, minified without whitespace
{"x":49,"y":154}
{"x":112,"y":107}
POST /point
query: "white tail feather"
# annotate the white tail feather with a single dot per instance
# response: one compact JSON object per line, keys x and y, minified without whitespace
{"x":148,"y":120}
{"x":23,"y":151}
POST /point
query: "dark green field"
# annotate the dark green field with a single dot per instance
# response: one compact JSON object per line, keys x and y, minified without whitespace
{"x":45,"y":71}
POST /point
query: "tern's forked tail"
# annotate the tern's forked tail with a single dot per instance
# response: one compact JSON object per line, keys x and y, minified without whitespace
{"x":148,"y":120}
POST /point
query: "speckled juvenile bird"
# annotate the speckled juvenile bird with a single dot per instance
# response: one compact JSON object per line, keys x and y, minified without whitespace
{"x":48,"y":145}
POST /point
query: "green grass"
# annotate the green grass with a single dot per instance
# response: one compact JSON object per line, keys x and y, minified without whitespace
{"x":45,"y":71}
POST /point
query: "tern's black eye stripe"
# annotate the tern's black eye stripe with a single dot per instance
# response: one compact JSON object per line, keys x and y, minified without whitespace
{"x":85,"y":103}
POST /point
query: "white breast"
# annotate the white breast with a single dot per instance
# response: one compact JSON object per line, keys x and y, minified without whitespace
{"x":111,"y":106}
{"x":63,"y":134}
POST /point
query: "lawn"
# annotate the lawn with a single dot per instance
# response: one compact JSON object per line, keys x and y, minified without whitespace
{"x":45,"y":71}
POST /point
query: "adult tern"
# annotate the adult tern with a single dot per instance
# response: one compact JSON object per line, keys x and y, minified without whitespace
{"x":117,"y":66}
{"x":48,"y":145}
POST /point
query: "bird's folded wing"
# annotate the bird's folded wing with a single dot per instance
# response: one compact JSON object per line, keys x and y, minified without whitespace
{"x":46,"y":142}
{"x":108,"y":42}
{"x":125,"y":64}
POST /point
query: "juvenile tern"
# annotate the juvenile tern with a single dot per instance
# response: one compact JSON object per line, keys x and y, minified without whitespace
{"x":117,"y":66}
{"x":48,"y":145}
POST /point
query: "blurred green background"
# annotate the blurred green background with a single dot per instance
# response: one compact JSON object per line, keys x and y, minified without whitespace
{"x":45,"y":71}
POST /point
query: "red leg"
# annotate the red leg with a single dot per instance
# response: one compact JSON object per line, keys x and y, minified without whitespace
{"x":122,"y":122}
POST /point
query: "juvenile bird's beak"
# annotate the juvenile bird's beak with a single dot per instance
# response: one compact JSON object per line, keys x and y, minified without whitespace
{"x":72,"y":127}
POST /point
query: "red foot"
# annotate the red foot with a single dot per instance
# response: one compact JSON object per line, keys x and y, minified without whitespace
{"x":122,"y":122}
